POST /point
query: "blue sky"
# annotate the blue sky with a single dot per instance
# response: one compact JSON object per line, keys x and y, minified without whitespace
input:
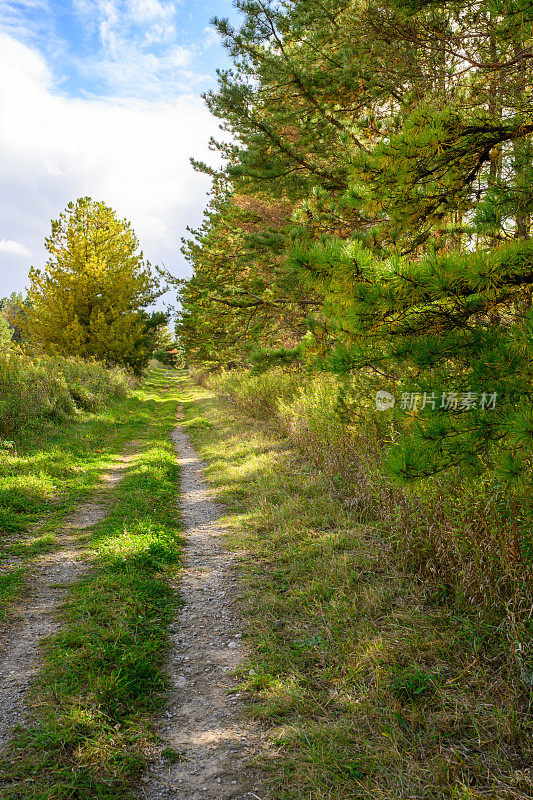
{"x":102,"y":98}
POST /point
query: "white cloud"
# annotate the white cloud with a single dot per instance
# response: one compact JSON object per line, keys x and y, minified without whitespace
{"x":130,"y":153}
{"x":211,"y":37}
{"x":15,"y":248}
{"x":14,"y":13}
{"x":137,"y":54}
{"x":129,"y":72}
{"x":150,"y":10}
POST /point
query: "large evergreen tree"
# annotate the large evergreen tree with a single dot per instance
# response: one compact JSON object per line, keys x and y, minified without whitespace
{"x":90,"y":299}
{"x":400,"y":135}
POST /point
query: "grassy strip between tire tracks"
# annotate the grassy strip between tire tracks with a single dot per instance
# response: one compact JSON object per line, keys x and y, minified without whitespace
{"x":48,"y":471}
{"x":372,"y":688}
{"x":102,"y":678}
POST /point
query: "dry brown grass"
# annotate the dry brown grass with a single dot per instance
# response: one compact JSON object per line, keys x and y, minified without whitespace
{"x":466,"y":538}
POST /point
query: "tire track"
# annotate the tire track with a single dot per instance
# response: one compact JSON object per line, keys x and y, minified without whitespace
{"x":204,"y":722}
{"x":50,"y":579}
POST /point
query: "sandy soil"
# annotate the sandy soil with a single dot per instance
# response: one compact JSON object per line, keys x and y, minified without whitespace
{"x":204,"y":721}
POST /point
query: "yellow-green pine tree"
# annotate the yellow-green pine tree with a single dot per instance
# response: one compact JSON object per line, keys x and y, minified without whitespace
{"x":89,"y":299}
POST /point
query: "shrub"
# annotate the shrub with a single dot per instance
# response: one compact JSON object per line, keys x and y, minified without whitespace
{"x":257,"y":395}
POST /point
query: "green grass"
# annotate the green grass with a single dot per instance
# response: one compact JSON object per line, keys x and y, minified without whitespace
{"x":49,"y":470}
{"x":102,"y":678}
{"x":10,"y":584}
{"x":373,"y":685}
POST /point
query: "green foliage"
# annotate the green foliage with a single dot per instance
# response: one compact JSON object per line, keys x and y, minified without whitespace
{"x":89,"y":300}
{"x":5,"y":334}
{"x":167,"y":351}
{"x":453,"y":330}
{"x":405,"y":158}
{"x":10,"y":583}
{"x":259,"y":394}
{"x":9,"y":308}
{"x":54,"y":463}
{"x":232,"y":301}
{"x":172,"y":755}
{"x":410,"y":684}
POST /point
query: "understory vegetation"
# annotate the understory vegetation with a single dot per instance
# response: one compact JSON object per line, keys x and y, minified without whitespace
{"x":67,"y":420}
{"x":467,"y":538}
{"x":388,"y":626}
{"x":36,"y":388}
{"x":92,"y":703}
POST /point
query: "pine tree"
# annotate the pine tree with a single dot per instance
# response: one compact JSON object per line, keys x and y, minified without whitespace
{"x":236,"y":297}
{"x":400,"y":133}
{"x":89,"y":300}
{"x":437,"y":310}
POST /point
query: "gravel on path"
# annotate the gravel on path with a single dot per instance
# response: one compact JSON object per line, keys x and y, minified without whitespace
{"x":204,"y":722}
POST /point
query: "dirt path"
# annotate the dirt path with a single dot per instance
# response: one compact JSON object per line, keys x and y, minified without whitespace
{"x":204,"y":721}
{"x":19,"y":644}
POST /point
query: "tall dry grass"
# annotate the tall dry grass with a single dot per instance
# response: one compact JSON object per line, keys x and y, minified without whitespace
{"x":372,"y":683}
{"x":468,"y":539}
{"x":35,"y":388}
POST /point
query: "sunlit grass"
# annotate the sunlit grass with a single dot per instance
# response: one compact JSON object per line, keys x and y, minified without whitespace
{"x":57,"y":465}
{"x":11,"y":582}
{"x":371,"y":688}
{"x":102,"y":677}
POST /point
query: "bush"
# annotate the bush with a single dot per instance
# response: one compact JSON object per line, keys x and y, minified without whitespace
{"x":256,"y":395}
{"x":45,"y":387}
